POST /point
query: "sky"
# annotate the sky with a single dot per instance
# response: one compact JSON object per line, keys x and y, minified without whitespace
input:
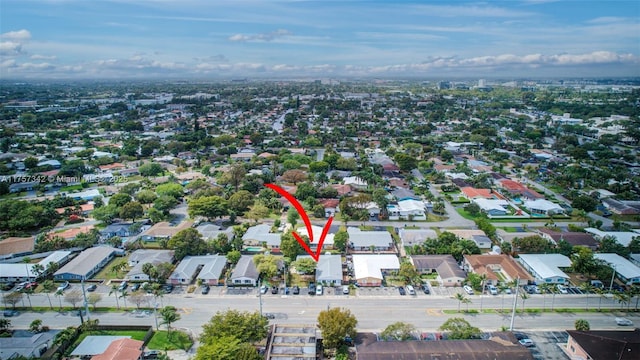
{"x":202,"y":39}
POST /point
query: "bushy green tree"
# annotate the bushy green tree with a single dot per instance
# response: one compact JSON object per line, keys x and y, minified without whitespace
{"x":460,"y":329}
{"x":336,"y":324}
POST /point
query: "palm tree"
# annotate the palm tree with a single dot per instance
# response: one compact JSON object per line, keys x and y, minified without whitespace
{"x":114,"y":290}
{"x":634,"y":291}
{"x":524,"y":297}
{"x":29,"y":292}
{"x":461,"y":298}
{"x":483,"y":279}
{"x":587,"y":288}
{"x":602,"y":294}
{"x":59,"y":294}
{"x":124,"y":295}
{"x":621,"y":297}
{"x":544,"y":289}
{"x":48,"y":286}
{"x":169,"y":315}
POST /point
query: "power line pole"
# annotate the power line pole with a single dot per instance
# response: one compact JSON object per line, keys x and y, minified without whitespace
{"x":515,"y":304}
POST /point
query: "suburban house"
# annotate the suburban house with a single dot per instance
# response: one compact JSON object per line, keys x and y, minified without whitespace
{"x":501,"y":346}
{"x":517,"y":190}
{"x":369,"y":241}
{"x":411,"y":237}
{"x":541,"y":207}
{"x":208,"y":268}
{"x":498,"y":268}
{"x":87,"y":264}
{"x":627,"y":271}
{"x":71,"y":233}
{"x":355,"y":183}
{"x":122,"y":230}
{"x":317,"y":232}
{"x":472,"y":193}
{"x":14,"y":272}
{"x":260,"y":235}
{"x":449,"y":273}
{"x":330,"y":206}
{"x":509,"y":236}
{"x":603,"y":344}
{"x":369,"y":270}
{"x":28,"y":347}
{"x":16,"y":246}
{"x":164,"y":230}
{"x":622,"y":207}
{"x":492,"y":207}
{"x":407,"y":209}
{"x":328,"y":269}
{"x":477,"y":236}
{"x":138,"y":258}
{"x":545,"y":268}
{"x":245,"y":272}
{"x":212,"y":231}
{"x":575,"y":238}
{"x":122,"y":349}
{"x":622,"y":237}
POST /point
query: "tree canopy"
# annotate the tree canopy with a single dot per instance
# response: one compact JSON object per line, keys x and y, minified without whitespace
{"x":336,"y":324}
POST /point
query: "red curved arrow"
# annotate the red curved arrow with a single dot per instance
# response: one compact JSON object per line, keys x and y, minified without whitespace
{"x":307,"y":223}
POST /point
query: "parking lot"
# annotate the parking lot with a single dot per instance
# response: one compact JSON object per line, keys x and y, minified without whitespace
{"x":546,"y":344}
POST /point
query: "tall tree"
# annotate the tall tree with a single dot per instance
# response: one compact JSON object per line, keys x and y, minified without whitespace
{"x":460,"y":329}
{"x":336,"y":324}
{"x":169,"y":315}
{"x":399,"y":331}
{"x":187,"y":242}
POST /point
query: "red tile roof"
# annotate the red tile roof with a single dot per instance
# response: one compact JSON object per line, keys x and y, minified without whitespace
{"x":123,"y":349}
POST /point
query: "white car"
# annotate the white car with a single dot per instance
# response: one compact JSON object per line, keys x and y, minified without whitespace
{"x":263,"y":289}
{"x":624,"y":322}
{"x":468,"y":289}
{"x":319,"y":290}
{"x":63,"y":286}
{"x":493,"y":290}
{"x":562,"y":289}
{"x":526,"y":342}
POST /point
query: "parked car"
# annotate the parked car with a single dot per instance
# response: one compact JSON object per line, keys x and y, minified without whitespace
{"x":64,"y":286}
{"x":468,"y":289}
{"x":31,"y":285}
{"x":319,"y":289}
{"x":493,"y":290}
{"x":135,"y":287}
{"x":263,"y":289}
{"x":520,"y":336}
{"x":151,"y":354}
{"x":205,"y":289}
{"x":296,"y":290}
{"x":425,"y":289}
{"x":345,"y":289}
{"x":312,"y":289}
{"x":624,"y":322}
{"x":168,"y":288}
{"x":562,"y":289}
{"x":274,"y":290}
{"x":526,"y":342}
{"x":402,"y":291}
{"x":7,"y":286}
{"x":411,"y":290}
{"x":123,"y":285}
{"x":92,"y":288}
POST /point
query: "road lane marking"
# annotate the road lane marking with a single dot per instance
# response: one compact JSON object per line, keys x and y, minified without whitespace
{"x":434,"y":312}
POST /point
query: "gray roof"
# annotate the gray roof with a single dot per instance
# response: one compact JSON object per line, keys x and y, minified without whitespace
{"x":261,"y":233}
{"x":245,"y":268}
{"x":212,"y":266}
{"x":329,"y":267}
{"x":86,"y":261}
{"x":25,"y":346}
{"x":416,"y":236}
{"x":94,"y":345}
{"x":445,"y":265}
{"x":367,"y":238}
{"x":151,"y":256}
{"x":404,"y":193}
{"x":211,"y":231}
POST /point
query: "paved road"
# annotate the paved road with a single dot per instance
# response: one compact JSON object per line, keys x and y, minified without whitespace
{"x":373,"y":312}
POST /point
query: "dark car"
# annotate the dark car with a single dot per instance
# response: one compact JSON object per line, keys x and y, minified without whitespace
{"x":402,"y":290}
{"x":168,"y":288}
{"x":151,"y":354}
{"x":296,"y":290}
{"x":205,"y":289}
{"x":312,"y":289}
{"x":135,"y":287}
{"x":92,"y":288}
{"x":10,"y":313}
{"x":274,"y":290}
{"x":425,"y":288}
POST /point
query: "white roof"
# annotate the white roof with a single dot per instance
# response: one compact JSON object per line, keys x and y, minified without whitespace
{"x":491,"y":204}
{"x":541,"y":204}
{"x":371,"y":265}
{"x":317,"y":232}
{"x":354,"y":180}
{"x":621,"y":265}
{"x":367,"y":238}
{"x":622,"y":237}
{"x":546,"y":265}
{"x":411,"y":205}
{"x":416,"y":236}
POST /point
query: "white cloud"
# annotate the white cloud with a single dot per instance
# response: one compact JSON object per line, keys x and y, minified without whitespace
{"x":261,"y":37}
{"x":19,"y":35}
{"x":10,"y":48}
{"x":42,"y":57}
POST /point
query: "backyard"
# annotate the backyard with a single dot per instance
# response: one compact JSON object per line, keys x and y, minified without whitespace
{"x":108,"y":273}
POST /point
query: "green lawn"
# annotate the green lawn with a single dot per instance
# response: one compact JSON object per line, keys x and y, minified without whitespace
{"x":178,"y":340}
{"x":106,"y":272}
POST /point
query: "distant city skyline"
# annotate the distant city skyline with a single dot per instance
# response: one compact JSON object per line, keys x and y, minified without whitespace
{"x":155,"y":39}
